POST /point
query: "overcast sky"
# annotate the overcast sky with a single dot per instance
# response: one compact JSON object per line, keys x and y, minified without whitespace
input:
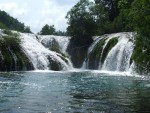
{"x":37,"y":13}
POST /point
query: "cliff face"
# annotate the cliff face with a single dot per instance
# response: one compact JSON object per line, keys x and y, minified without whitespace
{"x":78,"y":50}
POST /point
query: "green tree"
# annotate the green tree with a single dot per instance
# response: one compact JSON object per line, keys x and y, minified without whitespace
{"x":27,"y":30}
{"x":81,"y":28}
{"x":123,"y":22}
{"x":140,"y":19}
{"x":111,"y":7}
{"x":48,"y":30}
{"x":107,"y":11}
{"x":80,"y":20}
{"x":2,"y":26}
{"x":101,"y":18}
{"x":11,"y":23}
{"x":114,"y":16}
{"x":52,"y":29}
{"x":45,"y":30}
{"x":60,"y":33}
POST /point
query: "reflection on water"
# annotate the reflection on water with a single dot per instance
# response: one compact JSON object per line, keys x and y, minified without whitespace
{"x":73,"y":92}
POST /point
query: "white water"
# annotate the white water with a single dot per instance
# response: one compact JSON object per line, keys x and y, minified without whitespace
{"x":106,"y":42}
{"x":38,"y":54}
{"x":14,"y":57}
{"x":63,"y":41}
{"x":118,"y":58}
{"x":85,"y":63}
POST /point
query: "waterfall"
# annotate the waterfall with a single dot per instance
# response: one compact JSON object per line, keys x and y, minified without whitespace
{"x":39,"y":55}
{"x":118,"y":57}
{"x":85,"y":63}
{"x":111,"y":52}
{"x":14,"y":58}
{"x":62,"y":41}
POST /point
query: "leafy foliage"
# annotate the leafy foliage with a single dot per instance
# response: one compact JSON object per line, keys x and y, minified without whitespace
{"x":48,"y":30}
{"x":2,"y":26}
{"x":8,"y":22}
{"x":141,"y":22}
{"x":27,"y":29}
{"x":94,"y":56}
{"x":60,"y":33}
{"x":81,"y":22}
{"x":81,"y":27}
{"x":11,"y":39}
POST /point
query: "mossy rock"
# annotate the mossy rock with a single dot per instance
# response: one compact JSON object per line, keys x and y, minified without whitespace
{"x":55,"y":48}
{"x":63,"y":58}
{"x":79,"y":56}
{"x":6,"y":63}
{"x":94,"y":56}
{"x":7,"y":32}
{"x":52,"y":45}
{"x":55,"y":66}
{"x":77,"y":49}
{"x":112,"y":42}
{"x":23,"y":62}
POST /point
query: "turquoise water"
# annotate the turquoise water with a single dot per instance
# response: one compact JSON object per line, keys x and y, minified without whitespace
{"x":73,"y":92}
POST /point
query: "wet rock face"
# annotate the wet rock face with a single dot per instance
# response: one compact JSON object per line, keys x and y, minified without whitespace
{"x":53,"y":65}
{"x":12,"y":60}
{"x":49,"y":43}
{"x":78,"y":50}
{"x":52,"y":45}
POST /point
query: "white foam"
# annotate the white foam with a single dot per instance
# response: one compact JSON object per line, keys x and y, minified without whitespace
{"x":38,"y":54}
{"x":63,"y":41}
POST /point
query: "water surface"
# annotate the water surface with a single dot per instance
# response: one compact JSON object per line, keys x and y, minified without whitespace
{"x":73,"y":92}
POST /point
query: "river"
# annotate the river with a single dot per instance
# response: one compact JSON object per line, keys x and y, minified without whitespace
{"x":73,"y":92}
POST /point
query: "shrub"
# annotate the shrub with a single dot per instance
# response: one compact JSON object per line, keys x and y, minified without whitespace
{"x":11,"y":39}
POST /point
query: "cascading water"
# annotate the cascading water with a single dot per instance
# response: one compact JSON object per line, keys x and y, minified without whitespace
{"x":118,"y":57}
{"x":14,"y":58}
{"x":39,"y":55}
{"x":110,"y":52}
{"x":85,"y":63}
{"x":62,"y":41}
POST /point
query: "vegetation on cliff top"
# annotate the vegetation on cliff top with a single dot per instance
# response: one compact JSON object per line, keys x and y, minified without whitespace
{"x":50,"y":30}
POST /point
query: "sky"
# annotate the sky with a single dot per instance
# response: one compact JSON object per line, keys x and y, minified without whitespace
{"x":37,"y":13}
